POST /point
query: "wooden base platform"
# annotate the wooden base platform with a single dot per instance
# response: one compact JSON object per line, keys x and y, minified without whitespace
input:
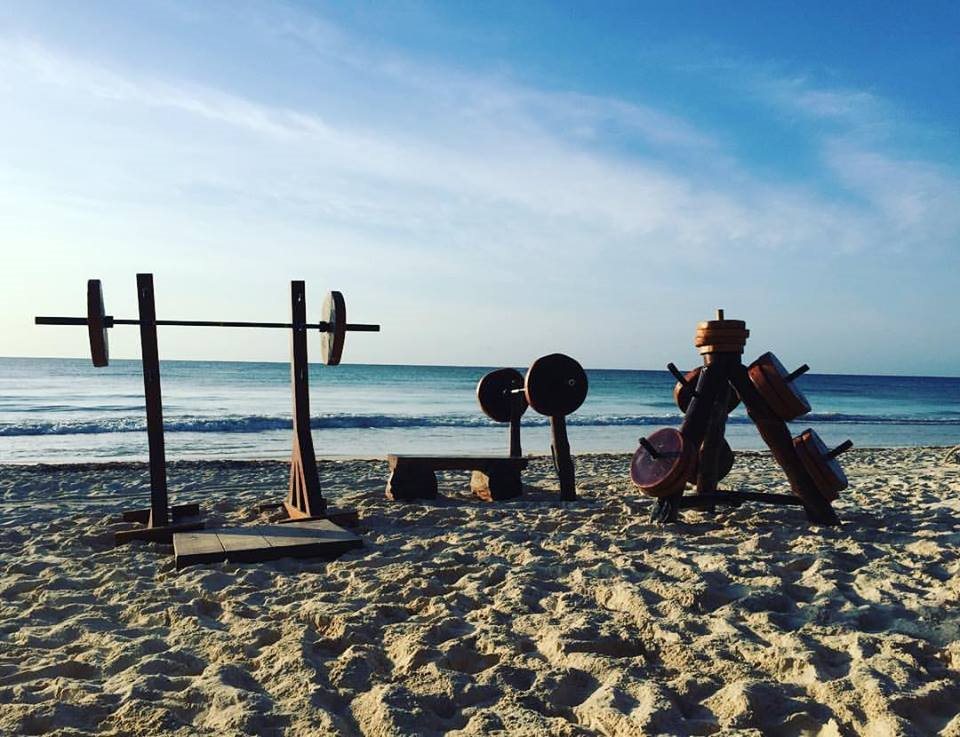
{"x":494,"y":477}
{"x":311,"y":539}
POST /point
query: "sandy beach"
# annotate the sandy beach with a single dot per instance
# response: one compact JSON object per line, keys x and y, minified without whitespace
{"x":464,"y":618}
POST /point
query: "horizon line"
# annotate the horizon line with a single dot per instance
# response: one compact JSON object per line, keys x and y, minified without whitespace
{"x":447,"y":365}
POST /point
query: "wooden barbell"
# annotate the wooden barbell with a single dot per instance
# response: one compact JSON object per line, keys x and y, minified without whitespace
{"x":333,"y":328}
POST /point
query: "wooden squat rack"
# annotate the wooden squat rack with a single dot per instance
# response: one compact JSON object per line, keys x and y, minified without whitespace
{"x":304,"y":499}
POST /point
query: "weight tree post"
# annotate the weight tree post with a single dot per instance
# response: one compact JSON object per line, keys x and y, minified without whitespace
{"x":304,"y":498}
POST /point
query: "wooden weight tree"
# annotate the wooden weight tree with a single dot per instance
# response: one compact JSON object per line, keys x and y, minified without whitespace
{"x":669,"y":459}
{"x":304,"y":499}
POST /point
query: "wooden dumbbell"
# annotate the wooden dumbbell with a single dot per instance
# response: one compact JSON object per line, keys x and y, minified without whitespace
{"x":556,"y":386}
{"x":502,"y":398}
{"x":776,"y":385}
{"x":663,"y":463}
{"x":686,"y":388}
{"x":821,"y":463}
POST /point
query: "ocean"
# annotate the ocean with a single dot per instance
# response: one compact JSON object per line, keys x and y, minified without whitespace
{"x":65,"y":410}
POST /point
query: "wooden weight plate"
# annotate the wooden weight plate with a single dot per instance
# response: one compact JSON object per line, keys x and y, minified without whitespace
{"x":669,"y":471}
{"x":335,"y":315}
{"x":706,"y":337}
{"x":759,"y":379}
{"x":826,"y":472}
{"x":721,"y":348}
{"x":96,"y":324}
{"x":722,"y":325}
{"x":724,"y":464}
{"x":682,"y":395}
{"x":494,"y":393}
{"x":556,"y":385}
{"x":792,"y":402}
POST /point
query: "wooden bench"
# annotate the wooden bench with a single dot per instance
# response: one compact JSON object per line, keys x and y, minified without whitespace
{"x":494,"y":477}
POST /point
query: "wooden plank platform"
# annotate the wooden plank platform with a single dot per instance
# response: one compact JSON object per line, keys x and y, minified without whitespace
{"x":309,"y":539}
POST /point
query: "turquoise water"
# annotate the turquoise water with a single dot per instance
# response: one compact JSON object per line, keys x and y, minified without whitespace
{"x":65,"y":410}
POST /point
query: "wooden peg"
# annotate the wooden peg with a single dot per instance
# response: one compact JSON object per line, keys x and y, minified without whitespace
{"x":796,"y":372}
{"x":842,"y":448}
{"x":648,"y":446}
{"x":681,"y":378}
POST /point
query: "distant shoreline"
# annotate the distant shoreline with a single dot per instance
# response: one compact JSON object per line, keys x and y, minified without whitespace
{"x":327,"y":459}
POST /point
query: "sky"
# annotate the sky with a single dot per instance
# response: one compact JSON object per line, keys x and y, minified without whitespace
{"x":489,"y":181}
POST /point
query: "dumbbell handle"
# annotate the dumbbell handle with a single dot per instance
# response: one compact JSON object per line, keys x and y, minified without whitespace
{"x":108,"y":322}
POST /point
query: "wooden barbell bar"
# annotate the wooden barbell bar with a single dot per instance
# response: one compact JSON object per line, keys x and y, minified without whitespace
{"x":98,"y":322}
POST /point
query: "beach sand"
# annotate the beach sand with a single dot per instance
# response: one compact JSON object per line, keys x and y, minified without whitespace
{"x":465,"y":618}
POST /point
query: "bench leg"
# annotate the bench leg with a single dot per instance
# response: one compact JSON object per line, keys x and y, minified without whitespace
{"x":496,"y":484}
{"x":407,"y":483}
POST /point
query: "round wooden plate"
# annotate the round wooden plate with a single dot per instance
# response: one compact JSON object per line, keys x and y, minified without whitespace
{"x":96,"y":324}
{"x":494,"y":393}
{"x":335,"y":315}
{"x":769,"y":377}
{"x":720,"y":348}
{"x":668,"y":472}
{"x":682,"y":395}
{"x":826,"y":472}
{"x":724,"y":466}
{"x":705,"y":337}
{"x":722,"y":325}
{"x":556,"y":385}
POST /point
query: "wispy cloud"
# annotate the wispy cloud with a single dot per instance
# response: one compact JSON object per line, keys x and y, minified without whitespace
{"x":463,"y":170}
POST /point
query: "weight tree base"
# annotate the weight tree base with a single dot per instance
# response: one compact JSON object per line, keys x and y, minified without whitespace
{"x":184,"y":517}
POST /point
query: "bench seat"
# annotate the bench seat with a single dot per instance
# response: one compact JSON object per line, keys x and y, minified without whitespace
{"x":494,"y":478}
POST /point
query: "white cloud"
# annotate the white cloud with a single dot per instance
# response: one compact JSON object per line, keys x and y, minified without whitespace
{"x":473,"y":175}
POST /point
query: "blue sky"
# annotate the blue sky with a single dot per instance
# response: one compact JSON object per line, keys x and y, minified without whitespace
{"x":490,"y":181}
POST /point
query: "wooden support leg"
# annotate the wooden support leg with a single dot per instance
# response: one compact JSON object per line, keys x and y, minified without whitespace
{"x":304,"y":498}
{"x":159,"y":513}
{"x":560,"y":446}
{"x":776,"y":435}
{"x":159,"y":527}
{"x":694,"y":429}
{"x":709,"y":465}
{"x":497,"y":483}
{"x":408,"y":482}
{"x":516,"y":408}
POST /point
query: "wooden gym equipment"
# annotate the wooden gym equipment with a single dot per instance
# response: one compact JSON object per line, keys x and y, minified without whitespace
{"x":555,"y":385}
{"x":304,"y":499}
{"x":669,"y":459}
